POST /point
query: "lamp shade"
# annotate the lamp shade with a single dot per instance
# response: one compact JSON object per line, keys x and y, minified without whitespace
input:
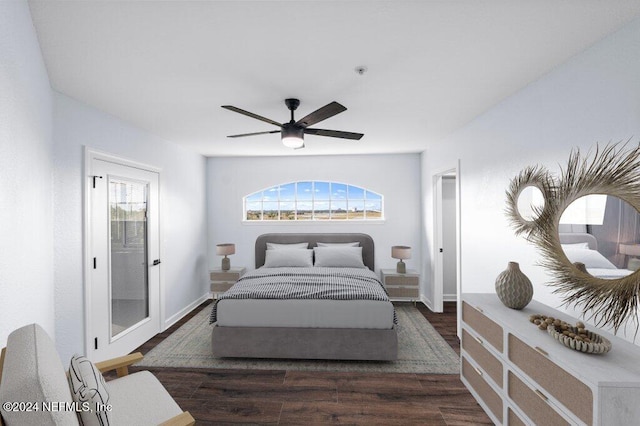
{"x":225,"y":249}
{"x":401,"y":252}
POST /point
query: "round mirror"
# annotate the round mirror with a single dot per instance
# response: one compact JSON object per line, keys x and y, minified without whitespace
{"x":530,"y":203}
{"x":601,"y":232}
{"x":574,"y":204}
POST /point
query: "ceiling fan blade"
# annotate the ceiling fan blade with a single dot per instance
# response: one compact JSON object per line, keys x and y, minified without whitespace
{"x":334,"y":133}
{"x":253,"y":134}
{"x":320,"y":114}
{"x":252,"y":115}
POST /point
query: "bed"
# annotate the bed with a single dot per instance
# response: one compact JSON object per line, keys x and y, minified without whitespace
{"x":319,"y":326}
{"x":583,"y":247}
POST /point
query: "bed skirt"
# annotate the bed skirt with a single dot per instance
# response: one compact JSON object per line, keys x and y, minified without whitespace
{"x":305,"y":343}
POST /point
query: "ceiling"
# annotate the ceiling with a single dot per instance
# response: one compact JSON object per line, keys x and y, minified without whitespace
{"x":432,"y":66}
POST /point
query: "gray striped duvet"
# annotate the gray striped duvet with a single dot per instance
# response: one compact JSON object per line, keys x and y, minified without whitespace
{"x":306,"y":284}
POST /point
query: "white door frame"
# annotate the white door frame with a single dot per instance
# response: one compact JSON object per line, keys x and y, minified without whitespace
{"x":89,"y":155}
{"x":437,"y":278}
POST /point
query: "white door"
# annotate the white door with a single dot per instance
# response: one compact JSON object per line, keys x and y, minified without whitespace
{"x":438,"y":265}
{"x":446,"y":241}
{"x":123,"y":282}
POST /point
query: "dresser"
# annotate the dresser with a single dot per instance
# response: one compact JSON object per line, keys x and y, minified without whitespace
{"x":521,"y":375}
{"x":401,"y":286}
{"x":222,"y":281}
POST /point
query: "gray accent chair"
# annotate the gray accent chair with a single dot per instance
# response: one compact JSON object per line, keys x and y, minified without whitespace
{"x":31,"y":372}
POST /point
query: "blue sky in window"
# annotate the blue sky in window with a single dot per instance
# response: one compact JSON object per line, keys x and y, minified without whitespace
{"x":338,"y":191}
{"x":373,"y":196}
{"x":288,"y":192}
{"x":256,"y":196}
{"x":356,"y":193}
{"x":321,"y":190}
{"x":305,"y":191}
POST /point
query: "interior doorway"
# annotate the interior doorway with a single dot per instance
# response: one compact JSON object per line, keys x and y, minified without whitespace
{"x":122,"y":286}
{"x":446,"y":238}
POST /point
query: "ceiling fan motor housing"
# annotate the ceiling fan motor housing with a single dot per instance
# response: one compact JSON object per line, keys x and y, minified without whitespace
{"x":292,"y":130}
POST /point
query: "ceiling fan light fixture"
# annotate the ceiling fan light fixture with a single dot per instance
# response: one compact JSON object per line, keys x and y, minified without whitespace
{"x":292,"y":133}
{"x":292,"y":136}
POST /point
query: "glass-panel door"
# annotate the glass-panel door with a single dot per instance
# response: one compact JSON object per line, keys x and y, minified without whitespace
{"x":128,"y":230}
{"x":123,"y":258}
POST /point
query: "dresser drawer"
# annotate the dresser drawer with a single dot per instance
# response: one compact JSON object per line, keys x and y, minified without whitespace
{"x":224,"y":276}
{"x":482,"y":388}
{"x":398,"y":291}
{"x":221,"y":287}
{"x":569,"y":391}
{"x":401,"y":280}
{"x":476,"y":350}
{"x":533,"y":403}
{"x":482,"y":325}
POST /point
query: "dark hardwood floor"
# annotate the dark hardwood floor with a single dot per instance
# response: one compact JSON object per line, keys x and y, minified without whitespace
{"x":298,"y":397}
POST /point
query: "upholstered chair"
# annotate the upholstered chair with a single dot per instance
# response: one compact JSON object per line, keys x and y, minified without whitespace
{"x":35,"y":388}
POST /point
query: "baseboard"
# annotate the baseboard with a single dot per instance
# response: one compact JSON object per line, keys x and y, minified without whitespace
{"x":449,"y":297}
{"x":178,"y":316}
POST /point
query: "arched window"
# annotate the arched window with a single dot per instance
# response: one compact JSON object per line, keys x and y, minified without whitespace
{"x":313,"y":200}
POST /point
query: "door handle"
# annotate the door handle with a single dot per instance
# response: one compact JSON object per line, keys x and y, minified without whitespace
{"x":156,"y":262}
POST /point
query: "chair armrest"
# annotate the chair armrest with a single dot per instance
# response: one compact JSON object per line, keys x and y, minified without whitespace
{"x":1,"y":366}
{"x":2,"y":352}
{"x":182,"y":419}
{"x":120,"y":364}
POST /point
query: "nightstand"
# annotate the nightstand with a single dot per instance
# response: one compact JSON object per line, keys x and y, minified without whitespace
{"x":401,"y":286}
{"x":222,"y":281}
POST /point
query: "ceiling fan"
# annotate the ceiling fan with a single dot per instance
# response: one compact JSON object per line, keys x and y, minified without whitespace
{"x":293,"y":132}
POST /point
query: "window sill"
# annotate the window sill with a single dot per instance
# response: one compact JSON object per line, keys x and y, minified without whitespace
{"x":312,"y":222}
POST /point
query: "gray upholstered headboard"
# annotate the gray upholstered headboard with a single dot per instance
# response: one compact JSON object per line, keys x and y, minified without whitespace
{"x":579,"y":237}
{"x":366,"y":242}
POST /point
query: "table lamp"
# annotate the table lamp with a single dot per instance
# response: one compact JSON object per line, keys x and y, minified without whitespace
{"x":401,"y":252}
{"x":225,"y":250}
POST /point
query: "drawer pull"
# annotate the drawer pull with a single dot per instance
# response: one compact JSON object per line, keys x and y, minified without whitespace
{"x":479,"y":340}
{"x":542,"y":351}
{"x":478,"y":371}
{"x":541,"y":395}
{"x":479,"y":309}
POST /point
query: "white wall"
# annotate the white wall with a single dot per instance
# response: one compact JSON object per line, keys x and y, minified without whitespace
{"x":182,"y":211}
{"x":396,"y":177}
{"x":594,"y":97}
{"x":26,"y":219}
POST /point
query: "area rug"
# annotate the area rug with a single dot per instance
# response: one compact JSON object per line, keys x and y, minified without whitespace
{"x":420,"y":350}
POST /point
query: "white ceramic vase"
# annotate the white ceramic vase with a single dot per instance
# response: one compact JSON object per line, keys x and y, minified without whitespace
{"x":513,"y":287}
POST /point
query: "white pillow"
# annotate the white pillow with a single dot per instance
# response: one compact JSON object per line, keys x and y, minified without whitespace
{"x":292,"y":257}
{"x":590,"y":258}
{"x":575,"y":246}
{"x":87,"y":385}
{"x":354,"y":244}
{"x":339,"y":257}
{"x":277,"y":246}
